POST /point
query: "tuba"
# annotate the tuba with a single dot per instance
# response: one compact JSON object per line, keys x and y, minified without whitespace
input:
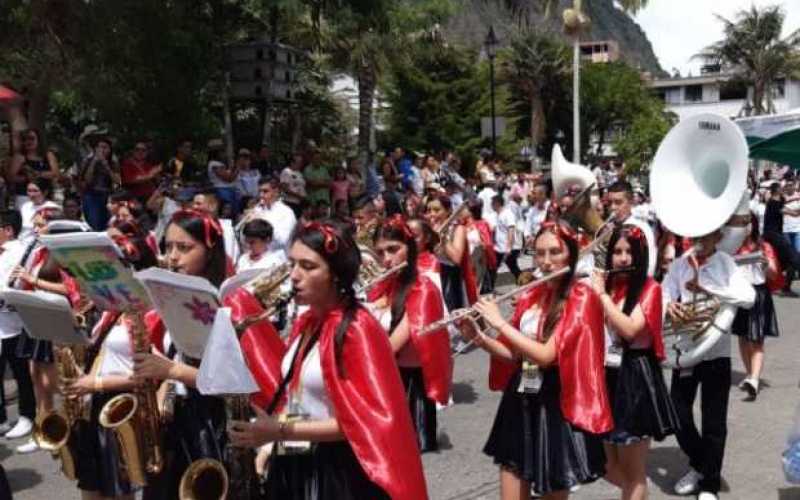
{"x":582,"y":214}
{"x":704,"y":158}
{"x":135,"y":419}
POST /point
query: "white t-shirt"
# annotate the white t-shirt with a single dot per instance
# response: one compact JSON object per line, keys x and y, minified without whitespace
{"x":313,"y":396}
{"x":117,"y":353}
{"x":283,"y":221}
{"x":791,"y":224}
{"x":266,"y":260}
{"x":504,"y":228}
{"x":759,"y":209}
{"x":534,"y":219}
{"x":486,"y":194}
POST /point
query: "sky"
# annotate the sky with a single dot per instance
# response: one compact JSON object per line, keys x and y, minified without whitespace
{"x":678,"y":29}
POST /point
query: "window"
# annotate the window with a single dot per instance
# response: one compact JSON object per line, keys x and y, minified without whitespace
{"x":733,"y":91}
{"x":257,"y":74}
{"x":693,"y":93}
{"x":779,"y":88}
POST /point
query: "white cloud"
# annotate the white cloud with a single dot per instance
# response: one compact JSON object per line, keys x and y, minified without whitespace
{"x":678,"y":29}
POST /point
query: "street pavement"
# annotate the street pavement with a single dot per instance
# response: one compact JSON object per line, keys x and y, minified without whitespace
{"x":460,"y":471}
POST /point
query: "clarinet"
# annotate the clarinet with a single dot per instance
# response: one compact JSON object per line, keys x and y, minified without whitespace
{"x":12,"y":282}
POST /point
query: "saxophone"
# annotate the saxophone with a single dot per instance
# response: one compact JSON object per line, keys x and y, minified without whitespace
{"x":53,"y":430}
{"x":447,"y":230}
{"x":135,"y":420}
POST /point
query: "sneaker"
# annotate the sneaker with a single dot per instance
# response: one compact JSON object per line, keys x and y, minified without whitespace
{"x":23,"y":427}
{"x":707,"y":495}
{"x":688,"y":484}
{"x":29,"y":447}
{"x":4,"y":428}
{"x":750,"y":386}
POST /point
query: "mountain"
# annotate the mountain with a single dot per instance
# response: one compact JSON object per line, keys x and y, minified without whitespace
{"x":471,"y":22}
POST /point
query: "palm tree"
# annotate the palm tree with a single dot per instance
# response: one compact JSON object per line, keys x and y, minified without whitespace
{"x":754,"y":51}
{"x":536,"y":69}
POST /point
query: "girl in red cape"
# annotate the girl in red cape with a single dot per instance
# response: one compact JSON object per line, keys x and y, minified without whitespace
{"x":350,"y":427}
{"x":481,"y":246}
{"x":193,"y":245}
{"x":640,"y":402}
{"x":404,"y":304}
{"x":753,"y":325}
{"x":99,"y":457}
{"x":458,"y":277}
{"x":549,"y":362}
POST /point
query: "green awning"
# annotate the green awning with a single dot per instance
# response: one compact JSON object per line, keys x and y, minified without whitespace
{"x":783,"y":148}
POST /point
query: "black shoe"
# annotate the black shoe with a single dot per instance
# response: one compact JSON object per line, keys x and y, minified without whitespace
{"x":789,"y":293}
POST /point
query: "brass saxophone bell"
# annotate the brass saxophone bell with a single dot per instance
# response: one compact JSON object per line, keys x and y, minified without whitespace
{"x":204,"y":479}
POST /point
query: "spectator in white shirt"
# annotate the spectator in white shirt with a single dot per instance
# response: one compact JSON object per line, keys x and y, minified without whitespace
{"x":10,"y":327}
{"x":271,"y":209}
{"x":486,"y":195}
{"x":257,"y":236}
{"x":505,"y":231}
{"x":537,"y":211}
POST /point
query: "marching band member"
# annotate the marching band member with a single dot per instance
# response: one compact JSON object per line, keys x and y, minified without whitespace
{"x":639,"y":398}
{"x":193,"y":245}
{"x":481,"y":246}
{"x":709,"y":271}
{"x":620,"y":196}
{"x":40,"y":272}
{"x":345,"y":417}
{"x":99,"y":472}
{"x":405,"y":303}
{"x":753,"y":325}
{"x":458,"y":278}
{"x":549,"y":362}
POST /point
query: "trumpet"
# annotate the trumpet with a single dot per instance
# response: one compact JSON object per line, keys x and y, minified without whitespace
{"x":471,"y":314}
{"x":447,"y":230}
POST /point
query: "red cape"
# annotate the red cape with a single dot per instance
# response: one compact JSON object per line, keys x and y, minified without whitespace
{"x":580,"y":347}
{"x":369,"y":403}
{"x":424,"y":305}
{"x":488,"y":243}
{"x":651,"y":303}
{"x":261,"y":344}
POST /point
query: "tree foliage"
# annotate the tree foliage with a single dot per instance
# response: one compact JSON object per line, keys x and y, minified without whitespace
{"x":638,"y":144}
{"x":754,"y":51}
{"x":434,"y":98}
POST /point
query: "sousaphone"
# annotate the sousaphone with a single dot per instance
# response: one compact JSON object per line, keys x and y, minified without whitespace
{"x":697,"y":181}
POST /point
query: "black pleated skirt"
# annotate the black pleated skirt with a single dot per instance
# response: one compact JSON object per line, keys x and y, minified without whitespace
{"x":423,"y":409}
{"x":99,"y":458}
{"x":452,"y":286}
{"x":40,"y":351}
{"x":330,"y":472}
{"x":758,"y":322}
{"x":531,"y":438}
{"x":197,"y":431}
{"x":640,"y":401}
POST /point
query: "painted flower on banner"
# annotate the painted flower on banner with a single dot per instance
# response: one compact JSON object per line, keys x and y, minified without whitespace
{"x":201,"y":311}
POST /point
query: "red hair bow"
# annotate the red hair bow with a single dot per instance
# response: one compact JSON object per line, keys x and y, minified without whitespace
{"x":398,"y":223}
{"x":635,"y":232}
{"x":210,"y":224}
{"x":559,"y":229}
{"x":127,"y":246}
{"x":331,"y":243}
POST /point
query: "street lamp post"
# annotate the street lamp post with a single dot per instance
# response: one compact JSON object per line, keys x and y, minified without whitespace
{"x":491,"y":52}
